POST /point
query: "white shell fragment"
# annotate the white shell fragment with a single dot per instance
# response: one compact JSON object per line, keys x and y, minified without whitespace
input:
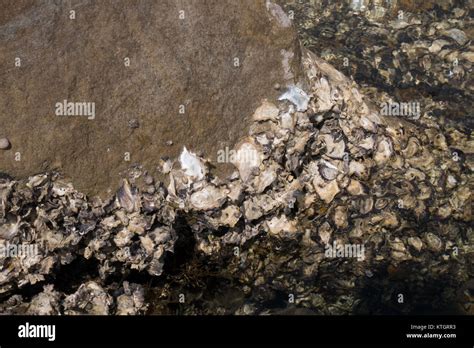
{"x":192,"y":165}
{"x":296,"y":96}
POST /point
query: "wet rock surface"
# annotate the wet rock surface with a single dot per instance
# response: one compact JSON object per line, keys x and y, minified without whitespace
{"x":333,"y":208}
{"x":181,"y":74}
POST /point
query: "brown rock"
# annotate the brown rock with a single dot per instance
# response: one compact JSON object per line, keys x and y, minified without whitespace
{"x":189,"y":72}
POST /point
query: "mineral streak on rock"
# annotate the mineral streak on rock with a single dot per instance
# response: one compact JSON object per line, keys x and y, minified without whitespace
{"x":190,"y":73}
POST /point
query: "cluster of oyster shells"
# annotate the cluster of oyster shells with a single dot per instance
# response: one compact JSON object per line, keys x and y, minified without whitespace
{"x":60,"y":224}
{"x":319,"y":167}
{"x":387,"y":46}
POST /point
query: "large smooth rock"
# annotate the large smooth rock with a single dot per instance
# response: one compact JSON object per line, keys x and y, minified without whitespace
{"x":174,"y":61}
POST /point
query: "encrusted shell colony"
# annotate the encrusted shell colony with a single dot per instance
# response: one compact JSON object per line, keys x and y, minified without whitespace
{"x":321,"y":167}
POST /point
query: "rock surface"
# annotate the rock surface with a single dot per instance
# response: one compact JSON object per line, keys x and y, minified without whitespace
{"x":188,"y":73}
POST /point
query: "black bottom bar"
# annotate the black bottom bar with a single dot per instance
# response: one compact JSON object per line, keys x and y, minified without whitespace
{"x":298,"y":330}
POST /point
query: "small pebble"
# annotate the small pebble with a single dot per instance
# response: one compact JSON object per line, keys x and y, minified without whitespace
{"x":4,"y":143}
{"x":133,"y":123}
{"x":169,"y":143}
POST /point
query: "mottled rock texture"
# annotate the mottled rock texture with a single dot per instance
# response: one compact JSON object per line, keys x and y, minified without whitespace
{"x":214,"y":60}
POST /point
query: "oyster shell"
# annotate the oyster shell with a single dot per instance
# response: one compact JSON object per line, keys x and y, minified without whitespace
{"x":266,"y":112}
{"x":90,"y":298}
{"x":192,"y":165}
{"x":210,"y":197}
{"x":297,"y":97}
{"x":248,"y":158}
